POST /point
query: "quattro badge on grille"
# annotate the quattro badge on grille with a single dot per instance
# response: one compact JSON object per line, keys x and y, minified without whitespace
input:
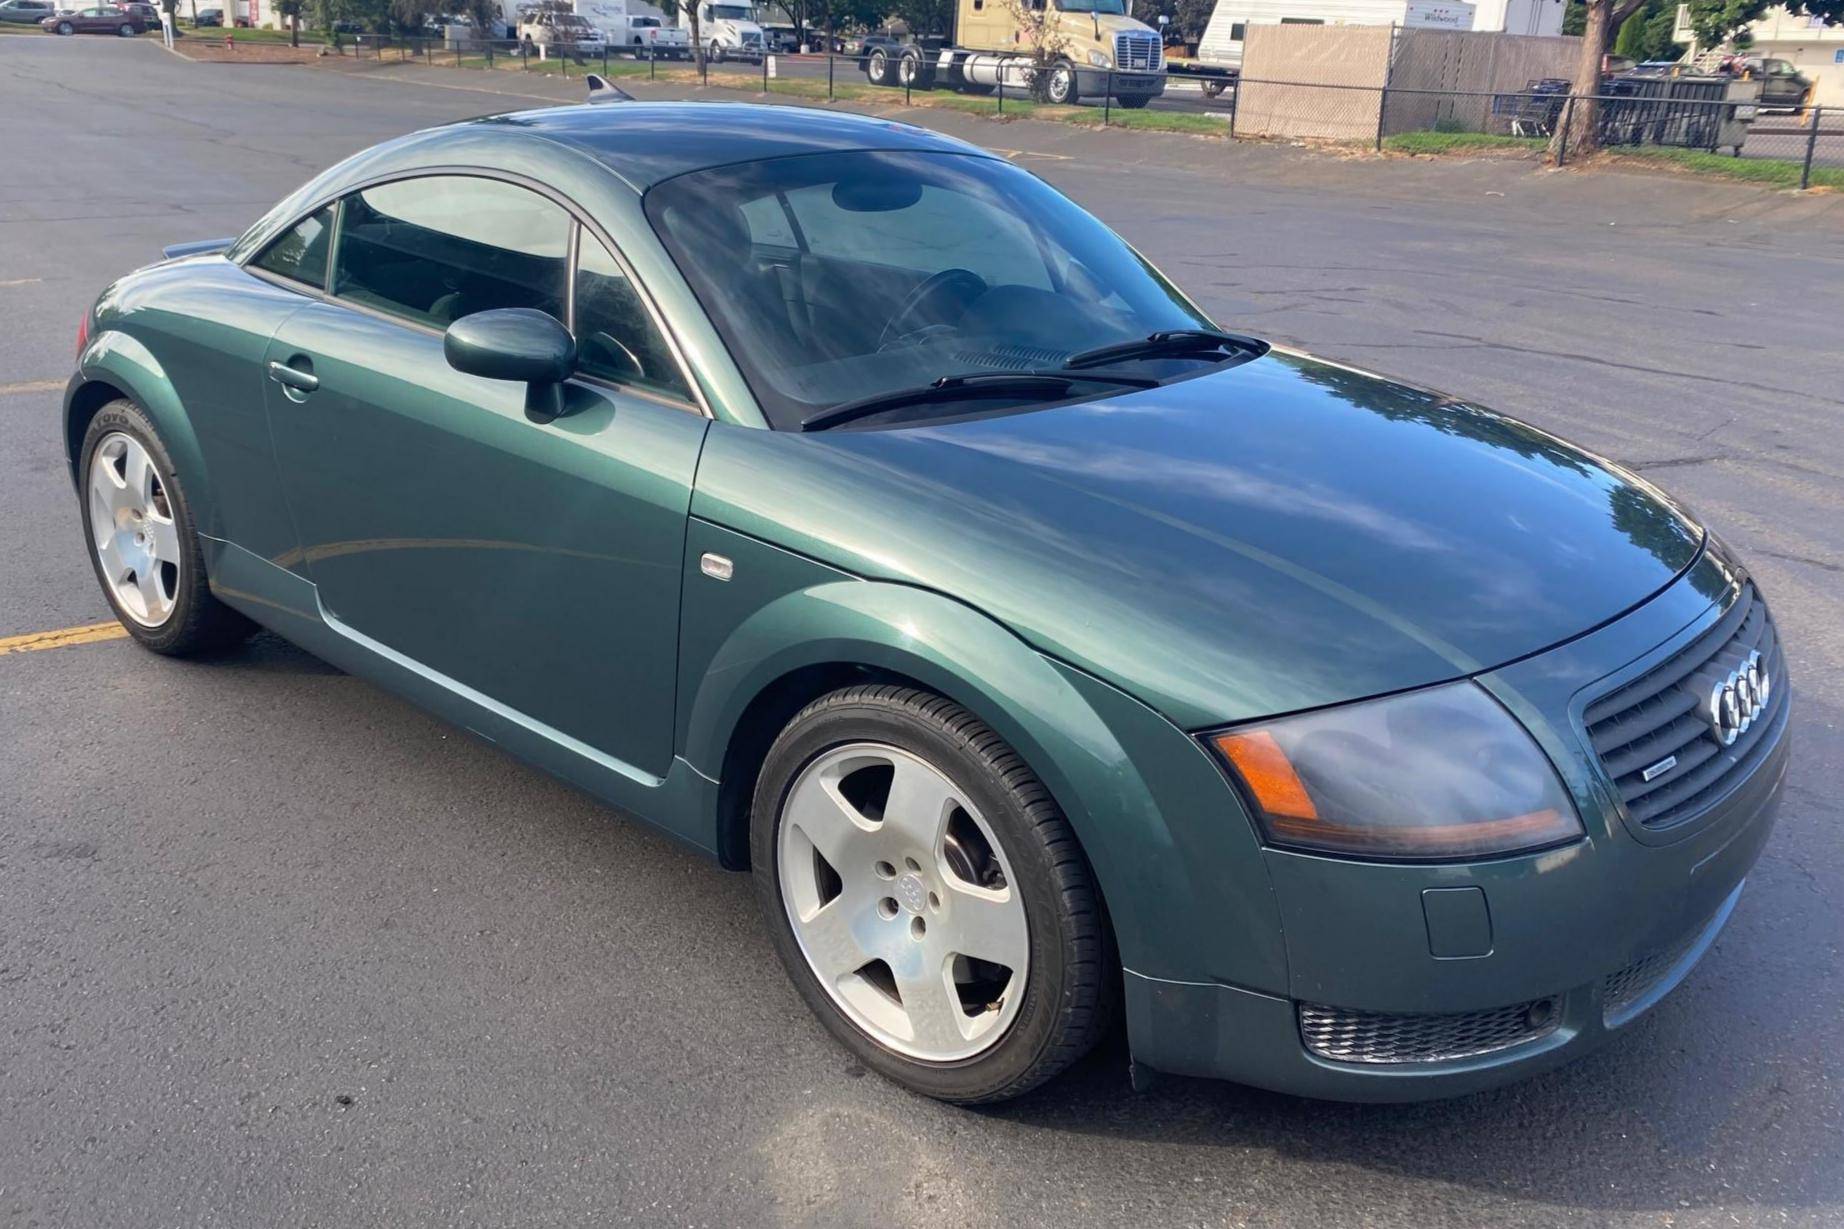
{"x":1734,"y":702}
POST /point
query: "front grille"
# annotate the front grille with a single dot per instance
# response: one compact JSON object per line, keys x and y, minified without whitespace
{"x":1381,"y":1037}
{"x":1628,"y":986}
{"x":1136,"y":50}
{"x":1660,"y":717}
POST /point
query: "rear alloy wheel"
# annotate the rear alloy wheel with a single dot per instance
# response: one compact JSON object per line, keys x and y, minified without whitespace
{"x":926,"y":896}
{"x":143,"y":544}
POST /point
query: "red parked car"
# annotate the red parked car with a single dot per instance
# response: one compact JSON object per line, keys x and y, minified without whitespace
{"x":102,"y":19}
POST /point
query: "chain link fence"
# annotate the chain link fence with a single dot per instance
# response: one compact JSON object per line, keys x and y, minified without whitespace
{"x":1682,"y":119}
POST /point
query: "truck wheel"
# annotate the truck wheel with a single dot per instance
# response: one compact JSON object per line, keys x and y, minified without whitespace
{"x":909,"y":72}
{"x":877,"y":69}
{"x":717,"y":52}
{"x":1062,"y":87}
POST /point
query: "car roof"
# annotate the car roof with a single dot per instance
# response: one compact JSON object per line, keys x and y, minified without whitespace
{"x":647,"y":142}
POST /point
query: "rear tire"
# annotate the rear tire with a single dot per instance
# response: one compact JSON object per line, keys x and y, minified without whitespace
{"x":877,"y":68}
{"x":178,"y":615}
{"x":978,"y":833}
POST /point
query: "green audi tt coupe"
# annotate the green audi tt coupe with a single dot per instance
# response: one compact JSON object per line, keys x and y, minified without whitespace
{"x":846,"y":502}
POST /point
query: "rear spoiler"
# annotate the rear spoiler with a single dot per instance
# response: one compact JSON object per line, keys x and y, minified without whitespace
{"x":198,"y":247}
{"x":601,"y":89}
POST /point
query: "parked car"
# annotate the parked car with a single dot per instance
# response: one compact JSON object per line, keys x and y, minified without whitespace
{"x":26,"y":12}
{"x":1783,"y":86}
{"x":209,"y":17}
{"x":883,"y":524}
{"x":649,"y":36}
{"x":146,"y":14}
{"x":863,"y":47}
{"x":556,"y":33}
{"x":103,"y":20}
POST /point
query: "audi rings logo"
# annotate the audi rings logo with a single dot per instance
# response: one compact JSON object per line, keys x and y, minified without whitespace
{"x":1734,"y":702}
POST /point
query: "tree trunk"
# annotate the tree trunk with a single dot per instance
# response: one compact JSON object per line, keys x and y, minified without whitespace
{"x":697,"y":37}
{"x":294,"y":30}
{"x":1583,"y":129}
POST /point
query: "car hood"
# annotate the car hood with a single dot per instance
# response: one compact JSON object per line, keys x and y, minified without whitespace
{"x":1281,"y":535}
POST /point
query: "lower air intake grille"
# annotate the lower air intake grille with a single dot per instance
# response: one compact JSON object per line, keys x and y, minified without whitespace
{"x":1379,"y":1037}
{"x":1658,"y":737}
{"x":1638,"y":979}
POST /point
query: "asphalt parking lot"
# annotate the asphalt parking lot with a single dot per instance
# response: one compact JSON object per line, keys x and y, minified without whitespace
{"x":277,"y":949}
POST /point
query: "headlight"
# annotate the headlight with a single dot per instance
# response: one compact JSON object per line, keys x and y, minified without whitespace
{"x":1098,"y":58}
{"x":1441,"y":773}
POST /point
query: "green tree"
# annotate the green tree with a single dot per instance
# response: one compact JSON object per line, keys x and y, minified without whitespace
{"x":1188,"y":17}
{"x":1712,"y":20}
{"x":1646,"y":35}
{"x":923,"y":17}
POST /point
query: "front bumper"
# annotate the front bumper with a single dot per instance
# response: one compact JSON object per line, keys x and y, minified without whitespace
{"x":1406,"y":982}
{"x":1094,"y":82}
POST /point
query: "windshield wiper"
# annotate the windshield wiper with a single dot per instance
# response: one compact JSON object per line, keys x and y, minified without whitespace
{"x":965,"y":387}
{"x":1168,"y":342}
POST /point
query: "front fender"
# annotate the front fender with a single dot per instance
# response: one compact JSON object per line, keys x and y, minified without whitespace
{"x":122,"y":362}
{"x":1168,"y":883}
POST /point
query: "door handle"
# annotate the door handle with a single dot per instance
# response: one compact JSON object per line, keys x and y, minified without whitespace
{"x":293,"y":377}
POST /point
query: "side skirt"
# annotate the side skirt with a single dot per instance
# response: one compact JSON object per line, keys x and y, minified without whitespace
{"x":683,"y":803}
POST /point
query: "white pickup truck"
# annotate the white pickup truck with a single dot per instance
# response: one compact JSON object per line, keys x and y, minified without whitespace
{"x":649,"y":36}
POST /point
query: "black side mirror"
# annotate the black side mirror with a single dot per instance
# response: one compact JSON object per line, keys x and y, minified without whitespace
{"x":516,"y":343}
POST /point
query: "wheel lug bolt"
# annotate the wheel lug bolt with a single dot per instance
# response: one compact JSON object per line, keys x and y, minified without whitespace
{"x":912,"y":864}
{"x":887,"y":907}
{"x":917,"y":928}
{"x":885,"y":870}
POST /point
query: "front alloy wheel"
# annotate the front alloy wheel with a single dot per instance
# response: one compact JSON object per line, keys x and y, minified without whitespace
{"x":143,"y":542}
{"x":132,"y":530}
{"x":902,"y":902}
{"x":927,"y":897}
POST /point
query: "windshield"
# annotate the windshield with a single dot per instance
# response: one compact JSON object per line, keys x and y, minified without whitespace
{"x":731,"y":12}
{"x":836,"y":277}
{"x":1117,"y":8}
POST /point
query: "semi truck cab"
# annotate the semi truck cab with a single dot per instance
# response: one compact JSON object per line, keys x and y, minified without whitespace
{"x":1099,"y":50}
{"x":729,"y":31}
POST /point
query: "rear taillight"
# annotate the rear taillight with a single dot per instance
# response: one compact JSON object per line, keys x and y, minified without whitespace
{"x":83,"y":335}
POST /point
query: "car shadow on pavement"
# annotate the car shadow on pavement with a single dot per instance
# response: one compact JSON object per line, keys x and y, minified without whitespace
{"x":1664,"y":1119}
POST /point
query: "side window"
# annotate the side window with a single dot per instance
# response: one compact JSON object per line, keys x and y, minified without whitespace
{"x":301,"y":254}
{"x":768,"y":223}
{"x":442,"y":247}
{"x":615,"y":337}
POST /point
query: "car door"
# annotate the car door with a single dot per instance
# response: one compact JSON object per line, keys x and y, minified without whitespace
{"x":535,"y":564}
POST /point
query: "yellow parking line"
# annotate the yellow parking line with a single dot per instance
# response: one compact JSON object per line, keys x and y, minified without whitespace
{"x":31,"y":386}
{"x":61,"y":638}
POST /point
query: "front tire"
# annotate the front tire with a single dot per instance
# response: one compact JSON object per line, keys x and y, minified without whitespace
{"x":126,"y":30}
{"x":143,"y":542}
{"x":1061,"y":88}
{"x":928,"y":899}
{"x":65,"y":28}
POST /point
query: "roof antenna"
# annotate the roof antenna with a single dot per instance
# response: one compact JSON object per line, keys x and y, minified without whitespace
{"x":601,"y":89}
